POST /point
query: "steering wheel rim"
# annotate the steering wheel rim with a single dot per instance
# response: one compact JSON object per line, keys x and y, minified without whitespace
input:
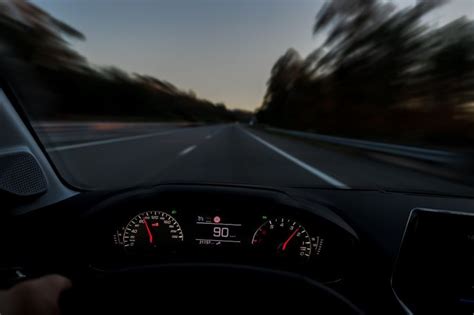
{"x":137,"y":289}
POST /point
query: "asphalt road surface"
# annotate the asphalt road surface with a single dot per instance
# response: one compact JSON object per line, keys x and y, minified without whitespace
{"x":113,"y":155}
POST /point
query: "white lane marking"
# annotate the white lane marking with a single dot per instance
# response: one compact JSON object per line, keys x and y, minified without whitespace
{"x":187,"y":150}
{"x":99,"y":142}
{"x":209,"y":136}
{"x":325,"y":177}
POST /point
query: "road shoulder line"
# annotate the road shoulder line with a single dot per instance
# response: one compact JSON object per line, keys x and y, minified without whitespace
{"x":113,"y":140}
{"x":311,"y":169}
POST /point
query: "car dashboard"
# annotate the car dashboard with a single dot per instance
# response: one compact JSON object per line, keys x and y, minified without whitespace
{"x":268,"y":229}
{"x":347,"y":240}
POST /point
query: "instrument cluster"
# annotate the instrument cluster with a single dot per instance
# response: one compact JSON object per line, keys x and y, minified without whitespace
{"x":238,"y":227}
{"x":164,"y":233}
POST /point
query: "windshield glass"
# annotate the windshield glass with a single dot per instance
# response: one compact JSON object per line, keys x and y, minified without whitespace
{"x":365,"y":94}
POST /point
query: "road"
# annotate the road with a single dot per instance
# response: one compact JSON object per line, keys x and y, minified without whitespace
{"x":105,"y":155}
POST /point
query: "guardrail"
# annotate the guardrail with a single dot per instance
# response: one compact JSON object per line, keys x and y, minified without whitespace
{"x":422,"y":154}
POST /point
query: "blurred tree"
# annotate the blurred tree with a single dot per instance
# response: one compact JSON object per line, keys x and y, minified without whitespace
{"x":37,"y":59}
{"x":450,"y":66}
{"x":36,"y":36}
{"x":377,"y":69}
{"x":283,"y":77}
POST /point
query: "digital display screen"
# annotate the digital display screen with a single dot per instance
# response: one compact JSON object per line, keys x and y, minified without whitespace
{"x":216,"y":230}
{"x":435,"y":270}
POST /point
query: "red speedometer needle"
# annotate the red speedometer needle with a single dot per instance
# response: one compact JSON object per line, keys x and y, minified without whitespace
{"x":289,"y":239}
{"x":150,"y":236}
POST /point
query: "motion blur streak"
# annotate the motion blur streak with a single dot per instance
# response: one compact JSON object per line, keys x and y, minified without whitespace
{"x":383,"y":88}
{"x":380,"y":73}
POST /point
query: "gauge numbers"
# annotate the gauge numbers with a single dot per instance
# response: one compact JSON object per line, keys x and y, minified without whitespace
{"x":283,"y":238}
{"x":152,"y":232}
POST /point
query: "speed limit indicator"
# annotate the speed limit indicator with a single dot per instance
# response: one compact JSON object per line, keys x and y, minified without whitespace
{"x":217,"y":231}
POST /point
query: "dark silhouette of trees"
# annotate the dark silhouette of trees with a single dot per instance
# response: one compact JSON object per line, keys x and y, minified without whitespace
{"x":36,"y":37}
{"x":56,"y":82}
{"x":379,"y":73}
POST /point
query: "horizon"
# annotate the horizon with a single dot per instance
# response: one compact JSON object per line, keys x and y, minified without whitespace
{"x":236,"y":74}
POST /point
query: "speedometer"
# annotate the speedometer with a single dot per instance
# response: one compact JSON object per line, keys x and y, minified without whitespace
{"x":283,"y":238}
{"x":151,"y":232}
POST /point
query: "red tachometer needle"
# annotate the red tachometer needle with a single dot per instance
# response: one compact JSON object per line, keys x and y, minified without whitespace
{"x":150,"y":236}
{"x":289,"y":239}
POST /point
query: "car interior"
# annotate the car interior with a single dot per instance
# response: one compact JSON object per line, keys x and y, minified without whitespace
{"x":336,"y":251}
{"x":344,"y":188}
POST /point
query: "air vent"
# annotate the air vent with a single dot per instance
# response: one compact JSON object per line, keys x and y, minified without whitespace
{"x":21,"y":175}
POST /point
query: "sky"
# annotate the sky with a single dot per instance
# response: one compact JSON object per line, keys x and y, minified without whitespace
{"x":221,"y":49}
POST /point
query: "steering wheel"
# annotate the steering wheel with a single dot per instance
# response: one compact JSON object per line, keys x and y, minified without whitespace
{"x":203,"y":288}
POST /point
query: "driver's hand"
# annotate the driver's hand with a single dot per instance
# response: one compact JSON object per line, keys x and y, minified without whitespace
{"x":39,"y":296}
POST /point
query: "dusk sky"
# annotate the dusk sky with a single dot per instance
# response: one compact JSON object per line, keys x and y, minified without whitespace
{"x":222,"y":49}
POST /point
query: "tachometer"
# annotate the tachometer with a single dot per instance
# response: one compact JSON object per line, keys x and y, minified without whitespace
{"x":283,"y":238}
{"x":151,"y":232}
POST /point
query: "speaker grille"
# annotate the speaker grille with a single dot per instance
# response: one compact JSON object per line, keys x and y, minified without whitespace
{"x":20,"y":174}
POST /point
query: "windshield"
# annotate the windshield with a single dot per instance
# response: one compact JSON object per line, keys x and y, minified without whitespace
{"x":346,"y":94}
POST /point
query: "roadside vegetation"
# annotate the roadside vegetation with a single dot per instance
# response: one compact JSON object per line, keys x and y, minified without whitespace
{"x":382,"y":73}
{"x":55,"y":82}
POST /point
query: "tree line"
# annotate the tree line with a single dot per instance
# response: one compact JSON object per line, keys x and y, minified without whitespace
{"x":56,"y":82}
{"x":381,"y":72}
